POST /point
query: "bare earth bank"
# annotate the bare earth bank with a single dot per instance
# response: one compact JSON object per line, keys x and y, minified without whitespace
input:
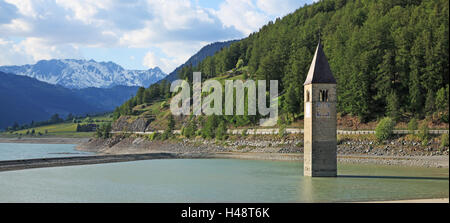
{"x":261,"y":151}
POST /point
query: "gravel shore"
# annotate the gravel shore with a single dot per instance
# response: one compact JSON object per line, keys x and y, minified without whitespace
{"x":396,"y":153}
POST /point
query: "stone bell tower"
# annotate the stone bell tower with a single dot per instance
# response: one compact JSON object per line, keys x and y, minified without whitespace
{"x":320,"y":144}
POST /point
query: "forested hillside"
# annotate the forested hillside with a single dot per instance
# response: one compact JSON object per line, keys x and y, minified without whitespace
{"x":390,"y":57}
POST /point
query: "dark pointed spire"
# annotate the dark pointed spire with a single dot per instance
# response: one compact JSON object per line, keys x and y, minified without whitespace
{"x":319,"y":71}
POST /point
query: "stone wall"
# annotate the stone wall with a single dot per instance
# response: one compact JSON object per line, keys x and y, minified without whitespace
{"x":124,"y":123}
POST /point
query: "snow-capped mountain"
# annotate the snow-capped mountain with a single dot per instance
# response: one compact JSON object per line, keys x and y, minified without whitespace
{"x":72,"y":73}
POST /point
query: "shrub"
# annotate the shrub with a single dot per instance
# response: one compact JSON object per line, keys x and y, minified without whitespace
{"x":104,"y":131}
{"x":221,"y":131}
{"x":239,"y":64}
{"x":153,"y":136}
{"x":412,"y":125}
{"x":166,"y":135}
{"x":443,"y":116}
{"x":444,"y":140}
{"x":208,"y":130}
{"x":168,"y":132}
{"x":163,"y":105}
{"x":424,"y":133}
{"x":190,"y":129}
{"x":244,"y":132}
{"x":183,"y":129}
{"x":282,"y":131}
{"x":384,"y":129}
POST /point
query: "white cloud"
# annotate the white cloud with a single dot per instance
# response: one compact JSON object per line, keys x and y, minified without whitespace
{"x":31,"y":50}
{"x":11,"y":53}
{"x":151,"y":61}
{"x":58,"y":27}
{"x":83,"y":10}
{"x":279,"y":8}
{"x":15,"y":27}
{"x":7,"y":12}
{"x":44,"y":29}
{"x":178,"y":14}
{"x":241,"y":14}
{"x":25,"y":7}
{"x":40,"y":49}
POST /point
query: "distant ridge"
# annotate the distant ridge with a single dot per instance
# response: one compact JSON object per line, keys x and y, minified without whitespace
{"x":24,"y":99}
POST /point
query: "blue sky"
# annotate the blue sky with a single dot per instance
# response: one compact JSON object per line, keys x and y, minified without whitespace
{"x":137,"y":34}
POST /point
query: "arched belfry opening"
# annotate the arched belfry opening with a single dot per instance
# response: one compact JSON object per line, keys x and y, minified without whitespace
{"x":307,"y":96}
{"x":323,"y":95}
{"x":320,"y":143}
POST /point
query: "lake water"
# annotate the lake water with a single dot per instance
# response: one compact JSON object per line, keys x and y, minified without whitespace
{"x":219,"y":180}
{"x":16,"y":151}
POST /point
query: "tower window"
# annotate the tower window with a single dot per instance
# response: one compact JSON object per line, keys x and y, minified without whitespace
{"x":307,"y":95}
{"x":323,"y":95}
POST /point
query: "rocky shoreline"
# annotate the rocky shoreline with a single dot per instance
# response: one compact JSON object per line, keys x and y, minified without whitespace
{"x":361,"y":151}
{"x":394,"y":152}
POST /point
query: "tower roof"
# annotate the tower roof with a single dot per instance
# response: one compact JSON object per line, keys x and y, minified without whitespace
{"x":319,"y":71}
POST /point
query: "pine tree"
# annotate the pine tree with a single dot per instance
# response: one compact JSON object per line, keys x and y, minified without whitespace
{"x":393,"y":106}
{"x":441,"y":100}
{"x":15,"y":126}
{"x":292,"y":101}
{"x":140,"y":96}
{"x":429,"y":103}
{"x":171,"y":123}
{"x":208,"y":130}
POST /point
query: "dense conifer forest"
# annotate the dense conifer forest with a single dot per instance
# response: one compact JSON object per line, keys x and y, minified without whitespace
{"x":390,"y":58}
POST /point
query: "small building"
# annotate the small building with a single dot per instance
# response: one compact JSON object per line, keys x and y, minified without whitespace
{"x":320,"y":143}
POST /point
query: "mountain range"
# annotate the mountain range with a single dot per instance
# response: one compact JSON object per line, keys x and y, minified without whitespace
{"x":78,"y":74}
{"x":24,"y":99}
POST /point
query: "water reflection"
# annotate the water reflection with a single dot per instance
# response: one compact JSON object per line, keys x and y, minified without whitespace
{"x":307,"y":189}
{"x":394,"y":177}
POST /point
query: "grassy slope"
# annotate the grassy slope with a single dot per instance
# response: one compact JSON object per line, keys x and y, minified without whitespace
{"x":66,"y":129}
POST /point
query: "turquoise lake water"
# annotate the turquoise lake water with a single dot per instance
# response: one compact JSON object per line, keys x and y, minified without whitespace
{"x":16,"y":151}
{"x":218,"y":180}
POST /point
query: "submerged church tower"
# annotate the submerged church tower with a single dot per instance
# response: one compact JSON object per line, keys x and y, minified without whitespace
{"x":320,"y":144}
